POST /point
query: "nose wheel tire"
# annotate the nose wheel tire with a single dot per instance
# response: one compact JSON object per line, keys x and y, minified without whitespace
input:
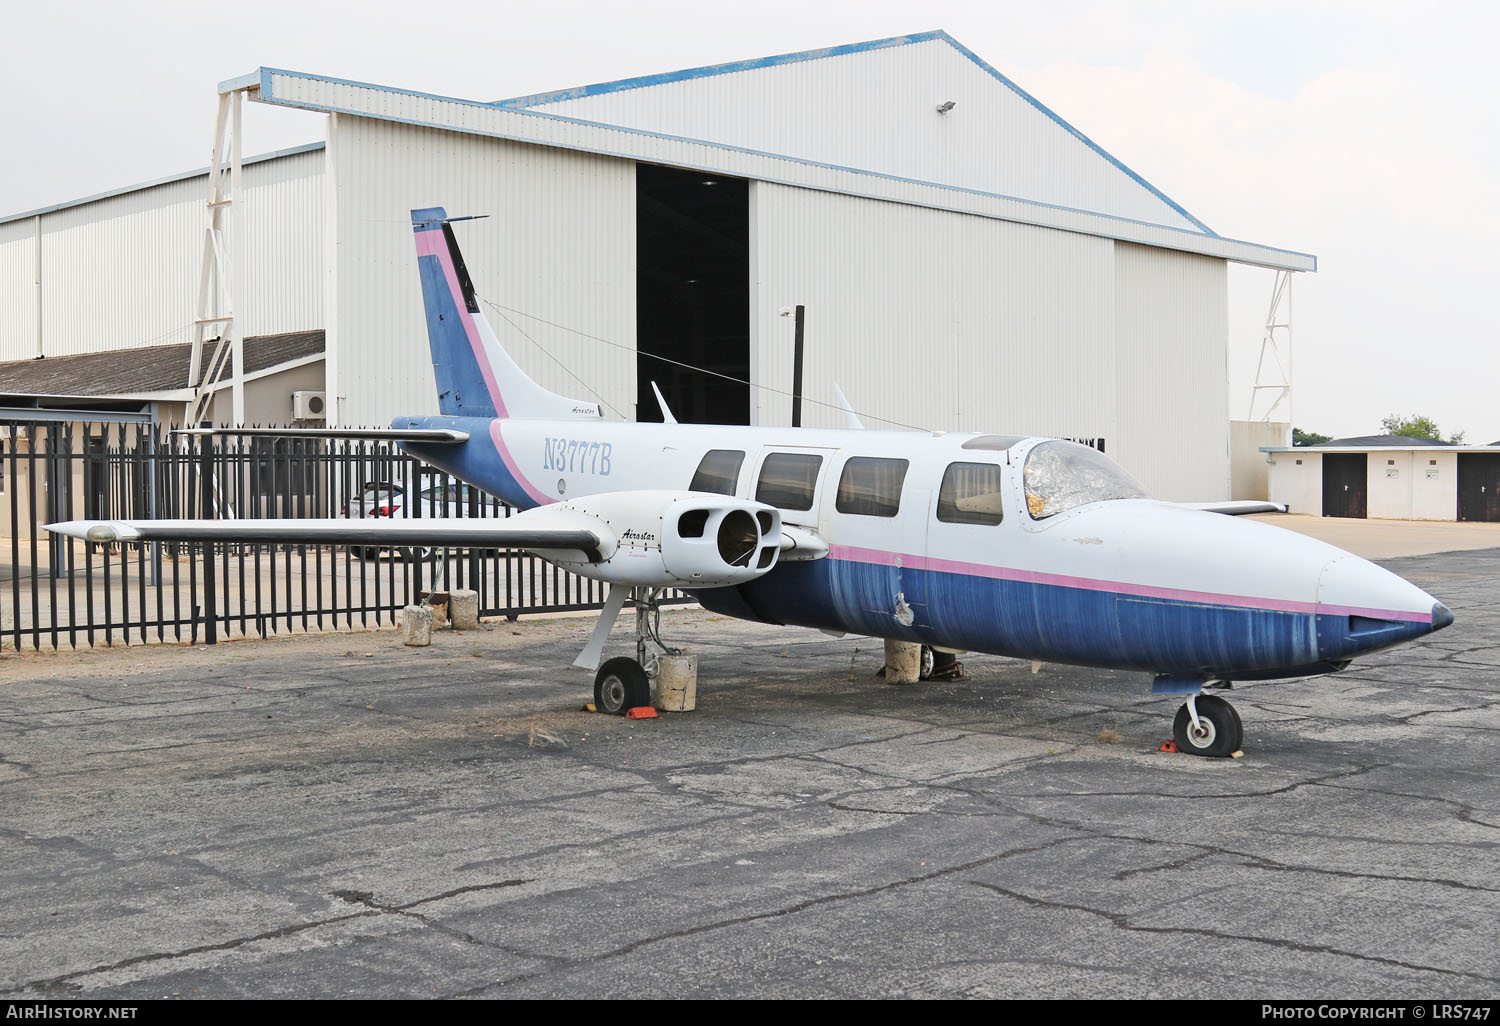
{"x":1218,"y":734}
{"x":621,"y":685}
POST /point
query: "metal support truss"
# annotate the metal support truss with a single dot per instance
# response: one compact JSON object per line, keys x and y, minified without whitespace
{"x":215,"y":321}
{"x":1275,"y":378}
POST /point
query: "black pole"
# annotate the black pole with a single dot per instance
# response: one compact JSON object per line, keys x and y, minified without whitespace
{"x":797,"y":371}
{"x":210,"y":597}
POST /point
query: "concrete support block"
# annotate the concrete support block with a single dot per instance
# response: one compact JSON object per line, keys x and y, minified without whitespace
{"x":903,"y":662}
{"x":677,"y":682}
{"x":463,"y":610}
{"x":416,"y":626}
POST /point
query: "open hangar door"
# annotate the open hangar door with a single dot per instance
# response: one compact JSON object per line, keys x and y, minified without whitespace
{"x":1479,"y":486}
{"x":692,"y":295}
{"x":1346,"y":484}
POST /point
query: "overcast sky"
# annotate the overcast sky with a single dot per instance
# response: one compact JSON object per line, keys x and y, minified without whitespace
{"x":1358,"y":130}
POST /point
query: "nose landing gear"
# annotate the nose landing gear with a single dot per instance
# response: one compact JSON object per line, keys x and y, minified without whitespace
{"x":1207,"y":725}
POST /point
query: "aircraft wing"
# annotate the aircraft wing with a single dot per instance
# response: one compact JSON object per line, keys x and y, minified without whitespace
{"x":558,"y":532}
{"x":1237,"y":507}
{"x":654,"y":539}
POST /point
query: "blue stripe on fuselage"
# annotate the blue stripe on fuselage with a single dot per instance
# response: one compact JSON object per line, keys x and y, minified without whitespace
{"x":1051,"y":622}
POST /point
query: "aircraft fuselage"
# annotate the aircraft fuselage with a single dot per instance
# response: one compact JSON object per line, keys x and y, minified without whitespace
{"x":1127,"y":583}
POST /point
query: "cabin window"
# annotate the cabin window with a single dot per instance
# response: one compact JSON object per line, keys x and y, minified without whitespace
{"x":970,"y":494}
{"x":718,"y":472}
{"x":871,"y":487}
{"x":1062,"y":475}
{"x":788,"y":479}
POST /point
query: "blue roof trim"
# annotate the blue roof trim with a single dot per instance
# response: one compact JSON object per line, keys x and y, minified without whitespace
{"x":599,"y":89}
{"x":168,"y":180}
{"x":620,"y":85}
{"x":243,"y":82}
{"x":1073,"y":131}
{"x":267,"y":96}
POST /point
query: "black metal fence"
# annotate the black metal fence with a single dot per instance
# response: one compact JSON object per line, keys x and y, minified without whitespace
{"x":62,"y":591}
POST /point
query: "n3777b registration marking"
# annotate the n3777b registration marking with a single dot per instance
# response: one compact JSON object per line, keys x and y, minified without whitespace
{"x":576,"y":456}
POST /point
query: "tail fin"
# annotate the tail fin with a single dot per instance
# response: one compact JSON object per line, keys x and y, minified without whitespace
{"x":475,"y":375}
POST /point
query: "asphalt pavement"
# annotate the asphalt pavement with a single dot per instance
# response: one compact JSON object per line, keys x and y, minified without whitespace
{"x":340,"y":816}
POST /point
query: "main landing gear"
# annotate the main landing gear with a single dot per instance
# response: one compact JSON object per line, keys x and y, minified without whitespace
{"x":623,"y":683}
{"x":1207,"y":725}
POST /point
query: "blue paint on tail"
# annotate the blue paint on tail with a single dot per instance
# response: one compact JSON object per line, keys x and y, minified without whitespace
{"x":462,"y":390}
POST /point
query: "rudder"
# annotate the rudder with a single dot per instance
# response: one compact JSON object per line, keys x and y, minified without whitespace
{"x":475,"y":376}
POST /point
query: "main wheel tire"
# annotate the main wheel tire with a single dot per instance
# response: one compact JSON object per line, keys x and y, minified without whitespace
{"x":924,"y":667}
{"x":1219,"y":735}
{"x":417,"y":553}
{"x":621,"y":685}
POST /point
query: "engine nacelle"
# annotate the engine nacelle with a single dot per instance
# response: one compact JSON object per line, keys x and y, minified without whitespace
{"x":667,"y":539}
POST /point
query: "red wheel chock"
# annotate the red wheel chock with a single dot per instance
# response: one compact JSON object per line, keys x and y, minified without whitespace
{"x":641,"y":712}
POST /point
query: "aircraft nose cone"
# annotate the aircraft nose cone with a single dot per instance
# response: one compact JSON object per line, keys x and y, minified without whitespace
{"x":1355,"y":586}
{"x":1363,"y":607}
{"x":1442,"y":616}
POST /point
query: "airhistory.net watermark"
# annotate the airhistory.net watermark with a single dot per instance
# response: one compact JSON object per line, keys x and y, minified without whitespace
{"x":19,"y":1011}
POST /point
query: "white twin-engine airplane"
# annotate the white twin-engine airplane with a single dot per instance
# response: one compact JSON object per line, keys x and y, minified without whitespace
{"x":1030,"y":547}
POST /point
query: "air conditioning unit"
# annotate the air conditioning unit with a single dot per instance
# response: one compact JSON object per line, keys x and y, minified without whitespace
{"x":308,"y":406}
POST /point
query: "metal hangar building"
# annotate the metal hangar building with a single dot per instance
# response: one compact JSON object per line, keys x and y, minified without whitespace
{"x":966,"y":259}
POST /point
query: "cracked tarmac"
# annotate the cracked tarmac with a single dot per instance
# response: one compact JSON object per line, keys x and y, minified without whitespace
{"x":340,"y":816}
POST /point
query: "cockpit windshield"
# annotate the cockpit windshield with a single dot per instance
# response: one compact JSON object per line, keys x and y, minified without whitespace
{"x":1062,"y":475}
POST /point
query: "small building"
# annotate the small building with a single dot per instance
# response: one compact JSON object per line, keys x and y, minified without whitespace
{"x":1388,"y":477}
{"x":106,"y":406}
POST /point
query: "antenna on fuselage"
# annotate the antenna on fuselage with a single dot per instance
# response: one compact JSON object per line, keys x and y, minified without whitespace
{"x":666,"y":414}
{"x":849,"y":415}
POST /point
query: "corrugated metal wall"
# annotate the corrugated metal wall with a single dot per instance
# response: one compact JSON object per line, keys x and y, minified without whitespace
{"x":122,"y":272}
{"x":558,"y":245}
{"x":18,"y":289}
{"x":1172,"y":373}
{"x":953,"y":322}
{"x":877,"y":110}
{"x":938,"y":320}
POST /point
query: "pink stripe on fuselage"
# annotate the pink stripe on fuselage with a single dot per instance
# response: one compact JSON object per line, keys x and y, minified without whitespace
{"x":1376,"y":614}
{"x":510,"y":464}
{"x":880,"y":557}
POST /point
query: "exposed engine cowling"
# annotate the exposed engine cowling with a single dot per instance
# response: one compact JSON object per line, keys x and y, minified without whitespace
{"x":666,"y":539}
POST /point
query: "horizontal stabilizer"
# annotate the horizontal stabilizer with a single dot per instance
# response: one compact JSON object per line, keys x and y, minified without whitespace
{"x":1237,"y":507}
{"x":432,"y":436}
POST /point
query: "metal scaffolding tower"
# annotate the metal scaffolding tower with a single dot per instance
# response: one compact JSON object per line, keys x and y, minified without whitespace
{"x":1277,"y":342}
{"x":215,"y":321}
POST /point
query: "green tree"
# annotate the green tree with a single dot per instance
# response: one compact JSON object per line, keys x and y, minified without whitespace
{"x":1418,"y":426}
{"x":1300,"y":437}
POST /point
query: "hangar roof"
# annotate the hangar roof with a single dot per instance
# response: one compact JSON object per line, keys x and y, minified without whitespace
{"x":168,"y":180}
{"x":875,"y":106}
{"x":860,"y":119}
